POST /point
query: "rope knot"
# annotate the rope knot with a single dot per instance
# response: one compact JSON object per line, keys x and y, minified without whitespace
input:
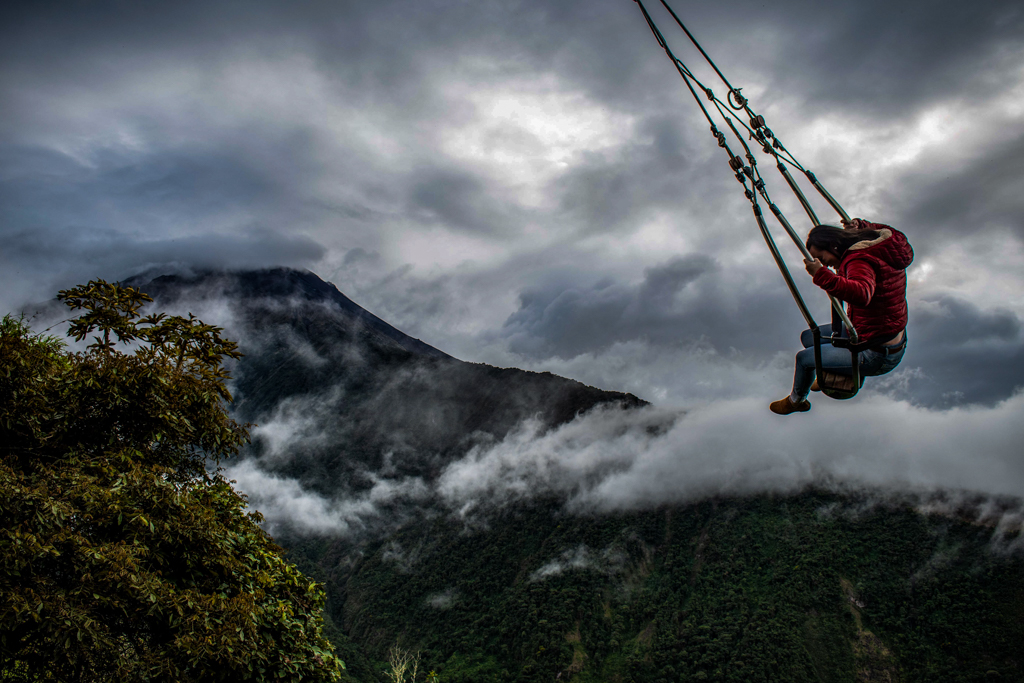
{"x":736,"y":100}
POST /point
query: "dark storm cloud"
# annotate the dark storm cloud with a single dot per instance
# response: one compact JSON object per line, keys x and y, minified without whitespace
{"x":137,"y":134}
{"x":117,"y":214}
{"x":43,"y":183}
{"x":391,"y":48}
{"x":879,"y":55}
{"x":89,"y":252}
{"x":954,"y":322}
{"x":612,"y":191}
{"x":684,"y":302}
{"x":873,"y":58}
{"x":894,"y":57}
{"x":459,"y":200}
{"x":984,"y":194}
{"x":961,"y":354}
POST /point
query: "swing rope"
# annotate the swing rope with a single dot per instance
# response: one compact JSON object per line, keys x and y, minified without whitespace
{"x":760,"y":131}
{"x":771,"y":145}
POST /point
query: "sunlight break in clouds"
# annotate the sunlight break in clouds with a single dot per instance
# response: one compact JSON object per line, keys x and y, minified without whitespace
{"x":529,"y":130}
{"x":870,"y":157}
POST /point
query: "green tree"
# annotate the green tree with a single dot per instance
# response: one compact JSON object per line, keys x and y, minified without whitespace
{"x":122,"y":556}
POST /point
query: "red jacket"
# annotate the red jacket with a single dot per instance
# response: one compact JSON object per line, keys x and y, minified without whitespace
{"x":872,"y":280}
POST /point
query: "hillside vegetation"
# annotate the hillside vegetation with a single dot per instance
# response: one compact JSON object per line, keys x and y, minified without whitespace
{"x":122,"y":558}
{"x":813,"y":587}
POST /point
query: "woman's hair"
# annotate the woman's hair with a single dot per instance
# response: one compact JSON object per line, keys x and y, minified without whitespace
{"x":836,"y":240}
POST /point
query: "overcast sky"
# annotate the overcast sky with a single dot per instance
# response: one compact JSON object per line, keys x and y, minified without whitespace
{"x":529,"y":183}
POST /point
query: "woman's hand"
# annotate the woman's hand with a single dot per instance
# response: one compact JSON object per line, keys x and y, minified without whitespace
{"x":813,"y":266}
{"x":854,"y":224}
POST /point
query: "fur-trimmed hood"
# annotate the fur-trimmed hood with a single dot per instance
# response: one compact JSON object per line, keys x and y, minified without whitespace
{"x":891,"y":246}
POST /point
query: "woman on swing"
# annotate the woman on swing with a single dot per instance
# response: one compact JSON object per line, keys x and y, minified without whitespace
{"x":870,"y":261}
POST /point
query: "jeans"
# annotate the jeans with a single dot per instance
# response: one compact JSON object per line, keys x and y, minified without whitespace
{"x":839,"y":361}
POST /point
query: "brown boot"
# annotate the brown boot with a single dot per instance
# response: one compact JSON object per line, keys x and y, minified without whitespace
{"x":785,"y":406}
{"x":815,"y":386}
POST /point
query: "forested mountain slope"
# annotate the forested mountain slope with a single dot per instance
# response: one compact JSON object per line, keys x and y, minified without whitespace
{"x":814,"y":587}
{"x":367,"y":390}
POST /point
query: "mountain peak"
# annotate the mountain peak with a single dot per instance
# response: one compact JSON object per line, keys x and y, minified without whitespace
{"x":278,"y":283}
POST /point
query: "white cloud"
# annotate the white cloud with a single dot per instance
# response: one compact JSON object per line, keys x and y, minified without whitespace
{"x":297,"y":424}
{"x":622,"y":460}
{"x":443,"y":600}
{"x":527,"y":130}
{"x":610,"y":560}
{"x":287,"y":505}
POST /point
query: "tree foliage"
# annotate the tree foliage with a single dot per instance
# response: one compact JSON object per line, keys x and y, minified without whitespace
{"x":122,"y":557}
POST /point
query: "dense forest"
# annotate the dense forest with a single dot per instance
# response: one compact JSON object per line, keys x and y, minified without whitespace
{"x":123,"y":557}
{"x":812,"y":587}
